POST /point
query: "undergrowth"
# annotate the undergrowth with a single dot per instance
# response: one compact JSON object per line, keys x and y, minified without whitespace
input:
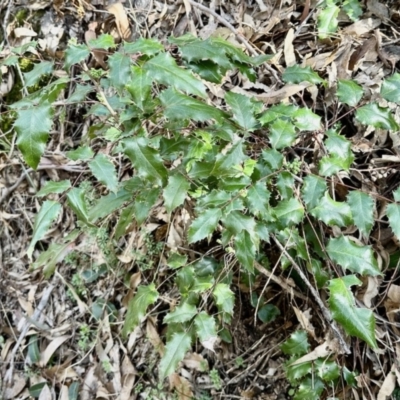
{"x":235,"y":172}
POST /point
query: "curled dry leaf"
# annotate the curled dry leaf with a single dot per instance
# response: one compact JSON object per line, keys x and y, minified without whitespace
{"x":121,"y":20}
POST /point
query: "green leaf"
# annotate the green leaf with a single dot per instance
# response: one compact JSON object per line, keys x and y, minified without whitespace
{"x":294,"y":372}
{"x":358,"y":322}
{"x":208,"y":71}
{"x":225,"y":162}
{"x":349,"y":92}
{"x":258,"y":198}
{"x":54,"y":187}
{"x":273,"y":158}
{"x":81,"y":153}
{"x":33,"y":126}
{"x":175,"y":351}
{"x":224,"y":298}
{"x":79,"y":93}
{"x":176,"y":260}
{"x":396,"y":194}
{"x":39,"y":69}
{"x":144,"y":46}
{"x":310,"y":388}
{"x":289,"y":212}
{"x":145,"y":159}
{"x":178,"y":107}
{"x":183,"y":313}
{"x":140,"y":86}
{"x":104,"y":171}
{"x":297,"y":74}
{"x":33,"y":349}
{"x":362,"y":207}
{"x":279,"y":111}
{"x":338,"y":145}
{"x":164,"y":70}
{"x":393,"y":214}
{"x":175,"y":192}
{"x":313,"y":189}
{"x":268,"y":313}
{"x":330,"y":165}
{"x":120,"y":69}
{"x":285,"y":184}
{"x":205,"y":329}
{"x":204,"y":224}
{"x":332,"y":212}
{"x":108,"y":204}
{"x":137,"y":307}
{"x":359,"y":259}
{"x":390,"y":89}
{"x":353,"y":9}
{"x":75,"y":53}
{"x":282,"y":134}
{"x":76,"y":200}
{"x":327,"y":19}
{"x":297,"y":344}
{"x":243,"y":109}
{"x":104,"y":41}
{"x":236,"y":222}
{"x":47,"y":214}
{"x":327,"y":370}
{"x":245,"y":250}
{"x":306,"y":120}
{"x":378,"y":117}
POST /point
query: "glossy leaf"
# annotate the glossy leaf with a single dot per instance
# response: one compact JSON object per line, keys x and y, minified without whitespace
{"x":54,"y":187}
{"x":352,"y":8}
{"x":362,"y":207}
{"x":206,"y":329}
{"x":330,"y":165}
{"x":243,"y":109}
{"x":327,"y":19}
{"x":236,"y":222}
{"x":245,"y":250}
{"x":47,"y":214}
{"x":104,"y":171}
{"x":359,"y":322}
{"x":224,"y":298}
{"x":164,"y":70}
{"x":282,"y":134}
{"x":140,"y":86}
{"x":175,"y":192}
{"x":39,"y":69}
{"x":268,"y":313}
{"x":225,"y":162}
{"x":390,"y":89}
{"x":81,"y":153}
{"x":349,"y":92}
{"x":393,"y":214}
{"x":297,"y":74}
{"x":137,"y":307}
{"x":204,"y":224}
{"x":144,"y":46}
{"x":306,"y":120}
{"x":178,"y":106}
{"x":183,"y":313}
{"x":76,"y":200}
{"x":258,"y":198}
{"x":297,"y":344}
{"x":332,"y":212}
{"x":104,"y":41}
{"x":75,"y":53}
{"x":175,"y":351}
{"x":289,"y":212}
{"x":120,"y":70}
{"x":313,"y":189}
{"x":108,"y":204}
{"x":378,"y":117}
{"x":33,"y":126}
{"x":145,"y":159}
{"x":359,"y":259}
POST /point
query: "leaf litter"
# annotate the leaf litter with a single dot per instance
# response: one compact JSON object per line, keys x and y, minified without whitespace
{"x":73,"y":317}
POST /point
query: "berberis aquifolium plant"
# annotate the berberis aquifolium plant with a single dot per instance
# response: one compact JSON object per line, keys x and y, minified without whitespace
{"x":243,"y":174}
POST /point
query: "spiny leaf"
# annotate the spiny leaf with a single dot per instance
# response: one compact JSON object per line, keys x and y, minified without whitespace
{"x":164,"y":70}
{"x":183,"y":313}
{"x":76,"y":200}
{"x":279,"y":111}
{"x":282,"y":134}
{"x":245,"y":250}
{"x":352,"y":8}
{"x":362,"y":207}
{"x":33,"y":126}
{"x":104,"y":41}
{"x":108,"y":204}
{"x":332,"y":212}
{"x":139,"y":86}
{"x":327,"y":19}
{"x":179,"y":107}
{"x":390,"y":89}
{"x":349,"y":92}
{"x":224,"y":298}
{"x":378,"y":117}
{"x":359,"y":259}
{"x":137,"y":307}
{"x":54,"y":187}
{"x":297,"y":74}
{"x":145,"y":159}
{"x":289,"y":212}
{"x":103,"y":169}
{"x":258,"y":198}
{"x":75,"y":53}
{"x":306,"y":120}
{"x":313,"y":189}
{"x":204,"y":225}
{"x":175,"y":192}
{"x":393,"y":214}
{"x":47,"y":214}
{"x":358,"y":322}
{"x":40,"y":69}
{"x":175,"y":351}
{"x":232,"y":158}
{"x":297,"y":344}
{"x":145,"y":46}
{"x":235,"y":221}
{"x":243,"y":109}
{"x":206,"y":329}
{"x":120,"y":69}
